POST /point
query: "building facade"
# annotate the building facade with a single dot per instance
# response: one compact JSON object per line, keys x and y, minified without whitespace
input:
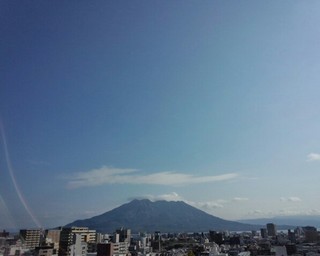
{"x":30,"y":237}
{"x":75,"y":235}
{"x":272,"y":230}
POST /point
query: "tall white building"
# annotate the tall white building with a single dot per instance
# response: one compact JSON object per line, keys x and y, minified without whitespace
{"x":78,"y":248}
{"x":70,"y":236}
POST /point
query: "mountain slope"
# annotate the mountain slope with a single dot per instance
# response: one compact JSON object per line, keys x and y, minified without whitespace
{"x":144,"y":215}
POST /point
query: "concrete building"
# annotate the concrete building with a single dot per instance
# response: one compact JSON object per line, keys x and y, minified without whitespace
{"x":291,"y":248}
{"x":216,"y":237}
{"x":78,"y":248}
{"x":156,"y":241}
{"x":122,"y":235}
{"x":30,"y":237}
{"x":263,"y":232}
{"x":291,"y":236}
{"x":311,"y":236}
{"x":15,"y":250}
{"x":279,"y":251}
{"x":46,"y":250}
{"x":4,"y":233}
{"x":105,"y":249}
{"x":120,"y":242}
{"x":53,"y":236}
{"x":68,"y":238}
{"x":113,"y":249}
{"x":86,"y":234}
{"x":272,"y":230}
{"x":143,"y":244}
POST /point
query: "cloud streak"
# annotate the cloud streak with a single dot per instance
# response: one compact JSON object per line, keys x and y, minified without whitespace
{"x":108,"y":175}
{"x":240,"y":199}
{"x":313,"y":157}
{"x":173,"y":196}
{"x":290,"y":199}
{"x":211,"y":206}
{"x":208,"y":206}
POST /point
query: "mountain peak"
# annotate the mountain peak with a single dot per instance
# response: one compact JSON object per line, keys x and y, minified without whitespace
{"x":145,"y":215}
{"x":143,"y":200}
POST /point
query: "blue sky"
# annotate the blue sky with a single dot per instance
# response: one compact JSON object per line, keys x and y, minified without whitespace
{"x":215,"y":103}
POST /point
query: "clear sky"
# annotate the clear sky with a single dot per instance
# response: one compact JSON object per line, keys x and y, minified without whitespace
{"x":215,"y":103}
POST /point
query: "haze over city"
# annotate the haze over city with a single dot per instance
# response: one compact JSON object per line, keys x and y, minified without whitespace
{"x":214,"y":103}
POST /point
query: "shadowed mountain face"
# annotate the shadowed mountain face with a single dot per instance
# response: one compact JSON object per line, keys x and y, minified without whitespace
{"x":144,"y":215}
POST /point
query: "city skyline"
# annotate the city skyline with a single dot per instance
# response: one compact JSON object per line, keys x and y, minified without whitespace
{"x":214,"y":103}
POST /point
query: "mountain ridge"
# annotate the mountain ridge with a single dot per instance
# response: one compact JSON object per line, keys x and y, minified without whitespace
{"x":166,"y":216}
{"x":295,"y":220}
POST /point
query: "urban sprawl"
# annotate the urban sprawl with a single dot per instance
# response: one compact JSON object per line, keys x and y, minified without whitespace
{"x":81,"y":241}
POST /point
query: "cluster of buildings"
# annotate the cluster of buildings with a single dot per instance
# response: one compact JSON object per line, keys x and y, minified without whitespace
{"x":81,"y":241}
{"x":76,"y":241}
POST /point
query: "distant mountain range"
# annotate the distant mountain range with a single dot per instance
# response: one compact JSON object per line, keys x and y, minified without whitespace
{"x":296,"y":221}
{"x":144,"y":215}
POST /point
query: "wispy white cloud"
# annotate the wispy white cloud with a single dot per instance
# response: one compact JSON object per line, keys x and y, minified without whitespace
{"x":215,"y":206}
{"x":167,"y":197}
{"x":240,"y":199}
{"x":254,"y":213}
{"x":294,"y":199}
{"x":110,"y":175}
{"x":313,"y":212}
{"x":208,"y":206}
{"x":290,"y":199}
{"x":313,"y":157}
{"x":297,"y":212}
{"x":211,"y":206}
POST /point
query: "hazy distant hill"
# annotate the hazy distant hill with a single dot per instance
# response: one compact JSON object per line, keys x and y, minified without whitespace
{"x":302,"y":220}
{"x":144,"y":215}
